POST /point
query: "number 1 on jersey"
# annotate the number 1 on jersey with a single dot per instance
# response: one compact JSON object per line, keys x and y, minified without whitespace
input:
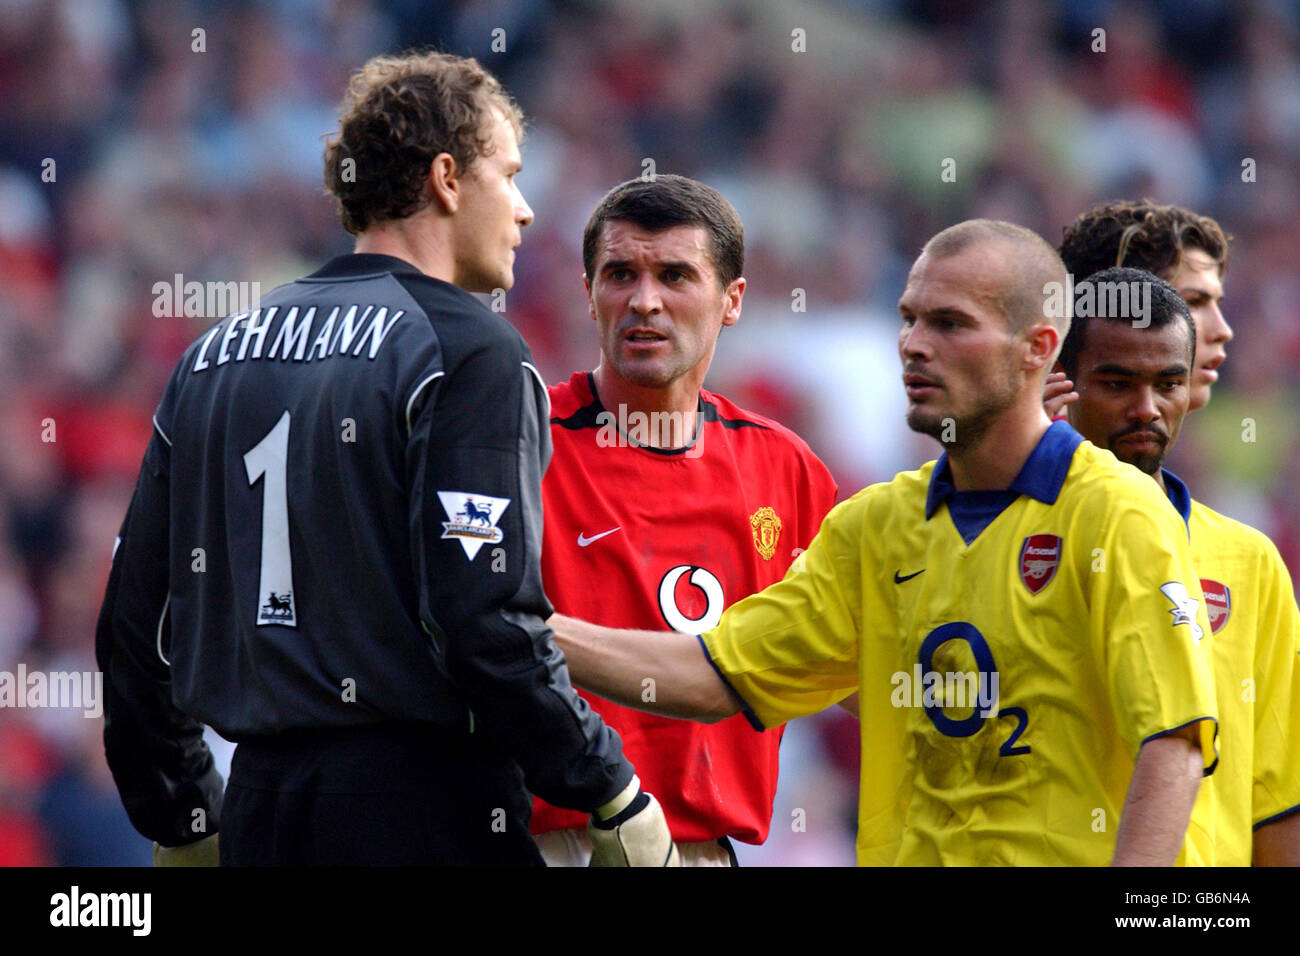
{"x":268,"y":460}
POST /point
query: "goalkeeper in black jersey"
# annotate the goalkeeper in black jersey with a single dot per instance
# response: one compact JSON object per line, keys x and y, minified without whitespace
{"x":332,"y":554}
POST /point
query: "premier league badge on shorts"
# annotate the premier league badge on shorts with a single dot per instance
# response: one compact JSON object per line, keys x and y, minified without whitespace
{"x":1218,"y":603}
{"x":1040,"y":556}
{"x":473,"y":519}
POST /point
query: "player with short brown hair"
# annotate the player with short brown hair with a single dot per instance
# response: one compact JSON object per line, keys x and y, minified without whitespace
{"x":665,"y":502}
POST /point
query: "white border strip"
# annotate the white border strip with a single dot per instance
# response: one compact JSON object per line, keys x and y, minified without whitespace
{"x":415,"y":394}
{"x":162,"y":617}
{"x":538,"y":375}
{"x":161,"y":433}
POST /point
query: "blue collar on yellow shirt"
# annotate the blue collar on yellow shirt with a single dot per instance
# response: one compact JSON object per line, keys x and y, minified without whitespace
{"x":1177,"y":491}
{"x":1041,"y":478}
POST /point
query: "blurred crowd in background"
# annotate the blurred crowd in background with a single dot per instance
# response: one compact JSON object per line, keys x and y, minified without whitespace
{"x":133,"y":148}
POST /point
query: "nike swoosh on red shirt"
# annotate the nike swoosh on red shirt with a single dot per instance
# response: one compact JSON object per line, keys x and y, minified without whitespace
{"x":583,"y":541}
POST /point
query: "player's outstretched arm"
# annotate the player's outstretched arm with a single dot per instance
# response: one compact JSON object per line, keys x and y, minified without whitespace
{"x":1166,"y":778}
{"x":663,"y":672}
{"x":1278,"y":843}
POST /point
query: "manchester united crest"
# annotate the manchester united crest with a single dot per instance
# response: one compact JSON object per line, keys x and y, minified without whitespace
{"x":767,"y":531}
{"x":1040,"y":556}
{"x":1218,"y":603}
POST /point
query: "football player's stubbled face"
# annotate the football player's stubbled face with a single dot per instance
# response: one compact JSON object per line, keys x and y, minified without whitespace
{"x":1133,"y":389}
{"x":1197,"y":280}
{"x":958,"y":355}
{"x":492,"y":215}
{"x":658,"y":303}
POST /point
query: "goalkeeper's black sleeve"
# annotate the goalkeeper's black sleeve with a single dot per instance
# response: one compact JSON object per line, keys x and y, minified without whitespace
{"x":164,"y":772}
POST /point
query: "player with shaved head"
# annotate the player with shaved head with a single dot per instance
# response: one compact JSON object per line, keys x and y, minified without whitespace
{"x":1020,"y":619}
{"x":1004,"y":268}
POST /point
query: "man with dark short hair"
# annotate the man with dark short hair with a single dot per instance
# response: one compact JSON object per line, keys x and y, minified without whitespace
{"x":665,"y":502}
{"x":1020,"y":705}
{"x":333,"y":552}
{"x":1134,"y":381}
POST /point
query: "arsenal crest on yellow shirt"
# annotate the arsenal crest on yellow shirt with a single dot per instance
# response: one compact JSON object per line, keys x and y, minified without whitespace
{"x":1218,"y":603}
{"x":767,"y":531}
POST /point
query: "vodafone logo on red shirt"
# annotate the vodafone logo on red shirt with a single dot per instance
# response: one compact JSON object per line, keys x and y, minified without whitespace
{"x":708,"y":584}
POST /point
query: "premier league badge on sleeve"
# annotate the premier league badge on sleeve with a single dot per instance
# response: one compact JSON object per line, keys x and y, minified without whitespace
{"x":473,"y":519}
{"x":1184,"y":607}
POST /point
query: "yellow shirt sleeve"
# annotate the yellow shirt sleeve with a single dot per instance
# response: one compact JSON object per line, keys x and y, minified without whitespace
{"x":1150,"y":625}
{"x":792,"y":649}
{"x":1277,"y":689}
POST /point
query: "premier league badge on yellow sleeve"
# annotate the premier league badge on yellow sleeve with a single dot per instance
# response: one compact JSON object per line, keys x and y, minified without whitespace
{"x":767,"y":531}
{"x":1184,"y":607}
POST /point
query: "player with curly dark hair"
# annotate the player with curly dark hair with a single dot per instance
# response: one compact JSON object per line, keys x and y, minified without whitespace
{"x":1186,"y":249}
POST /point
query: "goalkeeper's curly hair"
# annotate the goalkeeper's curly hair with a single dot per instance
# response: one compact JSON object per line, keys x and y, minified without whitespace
{"x":1140,"y":235}
{"x":400,"y":112}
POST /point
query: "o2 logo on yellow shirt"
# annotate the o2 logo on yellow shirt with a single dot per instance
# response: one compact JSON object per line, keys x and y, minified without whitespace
{"x":985,"y":705}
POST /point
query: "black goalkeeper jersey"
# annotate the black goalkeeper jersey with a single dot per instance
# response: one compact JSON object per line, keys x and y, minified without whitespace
{"x":338,"y":523}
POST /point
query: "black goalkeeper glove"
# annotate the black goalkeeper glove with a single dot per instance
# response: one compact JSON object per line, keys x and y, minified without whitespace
{"x":631,"y":830}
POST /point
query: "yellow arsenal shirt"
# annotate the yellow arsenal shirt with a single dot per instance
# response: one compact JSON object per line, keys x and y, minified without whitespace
{"x":1012,"y":650}
{"x":1255,"y":636}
